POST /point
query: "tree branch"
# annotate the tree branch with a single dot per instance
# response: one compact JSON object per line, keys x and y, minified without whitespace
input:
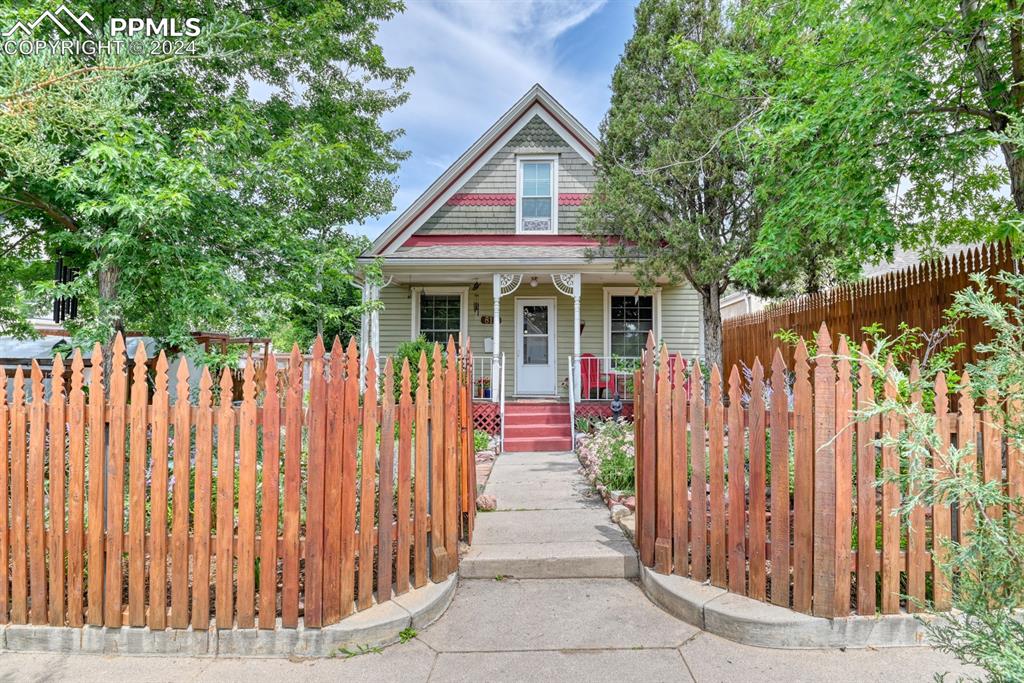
{"x":35,"y":202}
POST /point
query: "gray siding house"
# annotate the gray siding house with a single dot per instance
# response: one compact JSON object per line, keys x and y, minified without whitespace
{"x":491,"y":250}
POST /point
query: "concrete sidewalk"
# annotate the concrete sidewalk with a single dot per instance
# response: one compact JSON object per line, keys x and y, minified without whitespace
{"x":592,"y":629}
{"x":548,"y":524}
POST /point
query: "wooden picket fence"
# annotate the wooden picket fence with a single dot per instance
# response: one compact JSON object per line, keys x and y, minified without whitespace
{"x":141,"y":509}
{"x":918,"y":295}
{"x":713,"y":503}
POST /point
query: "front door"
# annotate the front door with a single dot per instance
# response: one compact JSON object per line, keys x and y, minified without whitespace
{"x":536,"y":364}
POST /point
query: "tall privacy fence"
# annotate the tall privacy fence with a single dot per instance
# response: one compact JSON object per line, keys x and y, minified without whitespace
{"x":129,"y":506}
{"x":918,"y":295}
{"x":810,"y":529}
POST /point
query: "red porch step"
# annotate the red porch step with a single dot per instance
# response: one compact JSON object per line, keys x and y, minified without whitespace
{"x":526,"y":444}
{"x":537,"y":426}
{"x":532,"y":419}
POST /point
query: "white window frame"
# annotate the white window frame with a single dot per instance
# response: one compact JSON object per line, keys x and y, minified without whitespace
{"x":463,"y":293}
{"x":609,"y":292}
{"x":520,"y":160}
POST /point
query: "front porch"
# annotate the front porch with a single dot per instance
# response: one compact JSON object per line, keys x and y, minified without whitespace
{"x":545,"y":333}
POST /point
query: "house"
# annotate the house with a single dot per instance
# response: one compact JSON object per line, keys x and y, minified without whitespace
{"x":492,"y":250}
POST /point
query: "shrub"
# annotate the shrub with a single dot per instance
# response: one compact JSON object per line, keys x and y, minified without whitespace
{"x":987,"y":563}
{"x":609,"y":455}
{"x":411,"y":351}
{"x":481,"y":440}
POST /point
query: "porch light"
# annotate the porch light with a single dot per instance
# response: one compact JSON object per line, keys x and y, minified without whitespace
{"x":533,"y":281}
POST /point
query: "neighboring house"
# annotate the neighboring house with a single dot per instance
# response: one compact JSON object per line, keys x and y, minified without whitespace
{"x":492,"y":251}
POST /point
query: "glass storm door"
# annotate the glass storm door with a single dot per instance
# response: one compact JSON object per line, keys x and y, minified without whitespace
{"x":536,"y":364}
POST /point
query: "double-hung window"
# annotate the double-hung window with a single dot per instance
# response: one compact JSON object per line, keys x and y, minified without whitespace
{"x":630,"y":320}
{"x":440,"y":316}
{"x":537,"y":205}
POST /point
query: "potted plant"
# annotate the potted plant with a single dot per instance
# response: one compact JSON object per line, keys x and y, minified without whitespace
{"x":483,"y":387}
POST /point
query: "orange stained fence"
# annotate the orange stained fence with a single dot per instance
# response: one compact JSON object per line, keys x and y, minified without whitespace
{"x":809,"y":530}
{"x":918,"y":295}
{"x":135,"y":507}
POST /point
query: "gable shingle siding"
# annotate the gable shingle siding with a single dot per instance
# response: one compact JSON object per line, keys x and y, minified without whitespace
{"x":498,"y":176}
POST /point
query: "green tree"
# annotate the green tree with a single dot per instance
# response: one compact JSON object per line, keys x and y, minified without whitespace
{"x":675,"y":191}
{"x":185,"y":200}
{"x":885,"y":124}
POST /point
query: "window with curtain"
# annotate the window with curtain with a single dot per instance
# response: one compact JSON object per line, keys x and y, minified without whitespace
{"x":631,"y":318}
{"x":440,"y":316}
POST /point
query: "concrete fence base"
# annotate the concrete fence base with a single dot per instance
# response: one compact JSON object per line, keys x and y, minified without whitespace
{"x":753,"y":622}
{"x":380,"y":625}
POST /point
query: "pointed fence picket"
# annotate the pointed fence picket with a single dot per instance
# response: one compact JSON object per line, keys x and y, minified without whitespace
{"x":768,"y":486}
{"x":919,"y":295}
{"x":125,"y":505}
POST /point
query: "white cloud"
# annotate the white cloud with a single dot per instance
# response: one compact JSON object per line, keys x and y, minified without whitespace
{"x":473,"y":59}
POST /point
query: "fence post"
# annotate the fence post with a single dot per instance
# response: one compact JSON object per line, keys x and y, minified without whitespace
{"x":824,"y":478}
{"x":698,"y":482}
{"x":844,"y":429}
{"x":736,"y":512}
{"x":649,"y":445}
{"x":803,"y":483}
{"x":663,"y":472}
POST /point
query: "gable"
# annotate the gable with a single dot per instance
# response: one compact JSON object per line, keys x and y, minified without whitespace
{"x":486,"y":203}
{"x":477,"y":194}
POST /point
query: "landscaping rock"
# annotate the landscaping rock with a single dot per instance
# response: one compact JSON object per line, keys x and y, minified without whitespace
{"x":619,"y":511}
{"x":486,"y":503}
{"x":630,"y":502}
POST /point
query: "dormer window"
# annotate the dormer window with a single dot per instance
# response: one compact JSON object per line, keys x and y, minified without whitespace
{"x":536,"y":205}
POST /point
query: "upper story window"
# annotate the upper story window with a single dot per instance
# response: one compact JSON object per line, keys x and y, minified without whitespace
{"x":536,"y":205}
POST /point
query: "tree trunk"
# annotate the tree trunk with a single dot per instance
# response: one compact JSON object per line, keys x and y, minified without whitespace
{"x":108,"y":280}
{"x":1015,"y":166}
{"x":711,"y":297}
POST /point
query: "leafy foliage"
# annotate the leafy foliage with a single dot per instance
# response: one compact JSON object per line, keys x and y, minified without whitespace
{"x":934,"y":350}
{"x":673,"y":179}
{"x":411,"y":351}
{"x":988,"y":560}
{"x":608,"y":452}
{"x":208,"y":191}
{"x":481,"y":440}
{"x":883,"y":124}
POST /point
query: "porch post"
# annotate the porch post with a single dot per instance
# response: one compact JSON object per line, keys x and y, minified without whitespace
{"x":571,"y":284}
{"x":503,"y":284}
{"x":496,"y":341}
{"x":576,"y":287}
{"x":370,"y":327}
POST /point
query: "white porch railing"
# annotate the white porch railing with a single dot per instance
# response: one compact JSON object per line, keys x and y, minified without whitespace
{"x":572,"y":400}
{"x":484,"y":386}
{"x":489,"y":385}
{"x":602,"y":378}
{"x":501,"y":395}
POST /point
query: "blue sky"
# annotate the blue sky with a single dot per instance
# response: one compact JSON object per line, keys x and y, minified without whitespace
{"x":475,"y":58}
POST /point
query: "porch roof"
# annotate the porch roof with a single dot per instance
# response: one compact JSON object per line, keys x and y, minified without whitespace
{"x":493,"y":252}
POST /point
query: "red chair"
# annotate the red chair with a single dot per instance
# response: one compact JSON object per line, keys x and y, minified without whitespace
{"x":590,"y":376}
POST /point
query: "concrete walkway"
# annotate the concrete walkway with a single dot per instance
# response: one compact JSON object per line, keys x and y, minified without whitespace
{"x":504,"y":627}
{"x":548,"y":524}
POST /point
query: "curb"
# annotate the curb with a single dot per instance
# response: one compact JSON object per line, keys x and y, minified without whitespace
{"x":752,"y":622}
{"x":378,"y":626}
